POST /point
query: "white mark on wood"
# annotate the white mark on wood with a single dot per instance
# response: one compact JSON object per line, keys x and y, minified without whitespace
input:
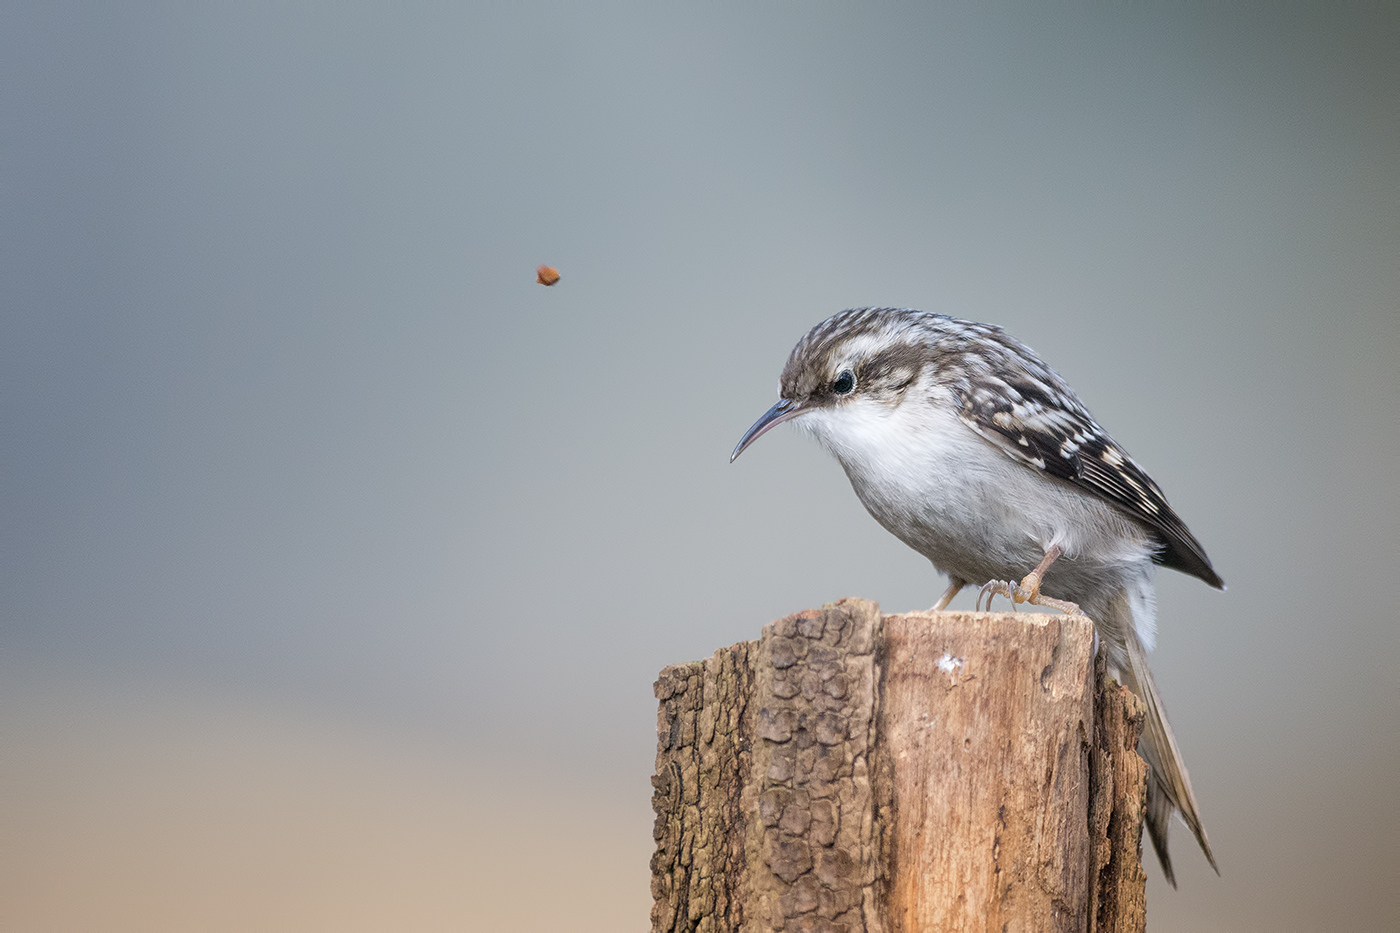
{"x":950,"y":665}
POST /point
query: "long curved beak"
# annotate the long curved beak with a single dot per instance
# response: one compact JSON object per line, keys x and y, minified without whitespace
{"x":785,"y":410}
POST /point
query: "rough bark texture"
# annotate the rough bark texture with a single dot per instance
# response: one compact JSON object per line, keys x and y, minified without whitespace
{"x":856,"y":772}
{"x":765,"y":815}
{"x":1119,"y":795}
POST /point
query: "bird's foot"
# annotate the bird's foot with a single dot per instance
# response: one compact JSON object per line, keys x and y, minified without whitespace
{"x":1028,"y":590}
{"x":1036,"y":599}
{"x":998,"y":588}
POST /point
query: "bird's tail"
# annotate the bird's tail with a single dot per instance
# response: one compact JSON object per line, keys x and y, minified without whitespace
{"x":1168,"y":784}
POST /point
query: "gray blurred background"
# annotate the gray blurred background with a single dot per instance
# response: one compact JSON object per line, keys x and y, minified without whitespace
{"x":337,"y":558}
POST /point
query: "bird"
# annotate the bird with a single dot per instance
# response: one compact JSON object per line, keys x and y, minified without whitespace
{"x":963,"y":444}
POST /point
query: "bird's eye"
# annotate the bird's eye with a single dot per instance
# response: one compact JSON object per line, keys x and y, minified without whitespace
{"x":845,"y":382}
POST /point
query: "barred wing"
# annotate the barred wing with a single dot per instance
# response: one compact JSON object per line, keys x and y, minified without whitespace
{"x":1036,"y":419}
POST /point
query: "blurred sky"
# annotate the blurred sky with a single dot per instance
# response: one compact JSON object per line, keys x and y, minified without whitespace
{"x":337,"y":558}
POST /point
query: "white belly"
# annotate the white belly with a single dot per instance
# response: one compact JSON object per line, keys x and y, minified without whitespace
{"x":974,"y":512}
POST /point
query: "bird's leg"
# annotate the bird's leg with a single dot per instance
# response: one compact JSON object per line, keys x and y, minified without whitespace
{"x":955,"y":586}
{"x":1028,"y":590}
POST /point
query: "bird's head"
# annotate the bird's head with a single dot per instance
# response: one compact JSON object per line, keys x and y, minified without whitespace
{"x":856,"y":364}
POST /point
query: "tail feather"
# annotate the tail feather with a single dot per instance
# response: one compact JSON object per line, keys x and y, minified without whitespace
{"x":1168,"y":786}
{"x":1158,"y":819}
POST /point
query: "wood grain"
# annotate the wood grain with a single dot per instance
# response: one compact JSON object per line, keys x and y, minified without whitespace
{"x":987,"y":720}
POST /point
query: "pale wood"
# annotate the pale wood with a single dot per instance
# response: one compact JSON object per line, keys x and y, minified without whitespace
{"x":987,"y":722}
{"x":853,"y":772}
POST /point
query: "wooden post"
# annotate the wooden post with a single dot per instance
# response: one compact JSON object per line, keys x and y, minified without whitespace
{"x":855,"y":772}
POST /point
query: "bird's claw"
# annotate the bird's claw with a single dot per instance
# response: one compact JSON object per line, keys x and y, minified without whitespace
{"x":1027,"y":591}
{"x":999,"y":588}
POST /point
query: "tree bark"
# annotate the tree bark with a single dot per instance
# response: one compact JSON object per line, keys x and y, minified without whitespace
{"x":854,"y":772}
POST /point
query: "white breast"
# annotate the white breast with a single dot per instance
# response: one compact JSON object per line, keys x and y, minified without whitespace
{"x":948,"y":493}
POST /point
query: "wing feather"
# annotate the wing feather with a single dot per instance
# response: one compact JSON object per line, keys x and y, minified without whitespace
{"x":1031,"y":415}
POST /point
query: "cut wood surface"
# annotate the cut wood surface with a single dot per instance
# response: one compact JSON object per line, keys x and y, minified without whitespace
{"x":854,"y":772}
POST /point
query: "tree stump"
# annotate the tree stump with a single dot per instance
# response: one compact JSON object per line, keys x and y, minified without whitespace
{"x":855,"y":772}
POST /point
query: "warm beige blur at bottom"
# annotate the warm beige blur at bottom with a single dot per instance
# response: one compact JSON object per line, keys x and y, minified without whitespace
{"x":168,"y":812}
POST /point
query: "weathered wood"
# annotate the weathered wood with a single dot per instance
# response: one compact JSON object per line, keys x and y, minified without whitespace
{"x":857,"y":772}
{"x":1118,"y":795}
{"x":988,"y":720}
{"x":764,"y":803}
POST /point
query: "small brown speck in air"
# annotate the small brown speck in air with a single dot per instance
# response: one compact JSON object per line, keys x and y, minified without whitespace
{"x":546,"y":275}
